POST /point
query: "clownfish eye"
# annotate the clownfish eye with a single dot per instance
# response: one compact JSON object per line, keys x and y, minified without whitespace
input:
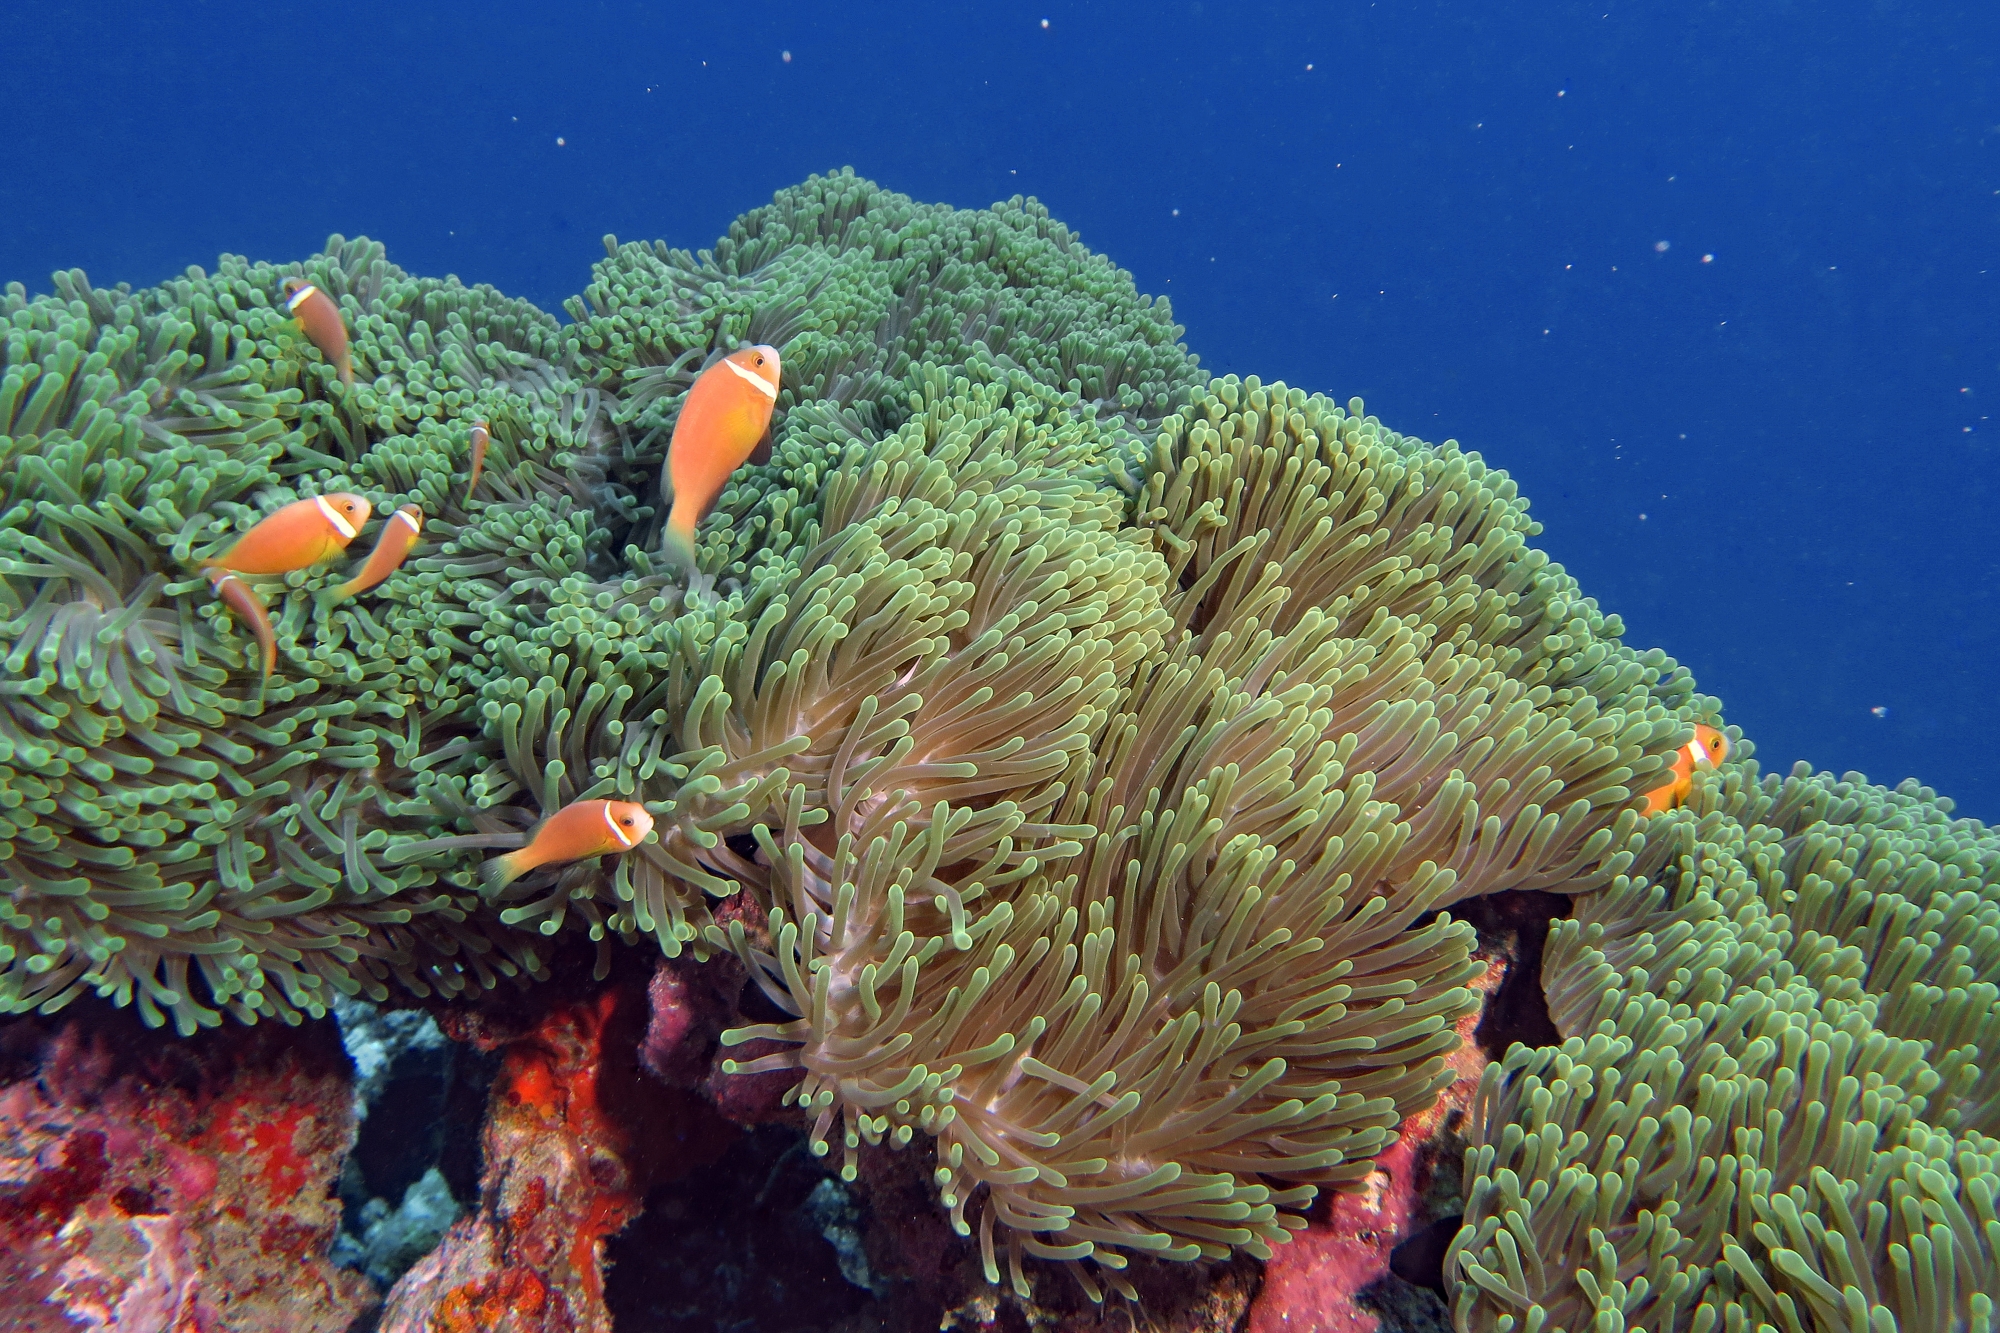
{"x":626,"y":820}
{"x":760,"y":360}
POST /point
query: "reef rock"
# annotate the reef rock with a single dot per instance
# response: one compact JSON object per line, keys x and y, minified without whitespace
{"x":162,"y":1184}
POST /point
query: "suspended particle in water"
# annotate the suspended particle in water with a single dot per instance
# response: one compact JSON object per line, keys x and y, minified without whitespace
{"x":1880,"y":710}
{"x":1661,"y":247}
{"x":785,"y":56}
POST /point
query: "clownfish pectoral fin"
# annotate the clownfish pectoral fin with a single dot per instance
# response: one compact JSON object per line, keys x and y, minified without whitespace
{"x":760,"y":453}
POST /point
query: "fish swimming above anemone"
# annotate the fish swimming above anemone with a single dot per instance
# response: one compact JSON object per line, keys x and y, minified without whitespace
{"x":578,"y":831}
{"x":320,"y":320}
{"x":392,"y":547}
{"x":724,"y":423}
{"x":480,"y":436}
{"x":297,"y":536}
{"x":242,"y":599}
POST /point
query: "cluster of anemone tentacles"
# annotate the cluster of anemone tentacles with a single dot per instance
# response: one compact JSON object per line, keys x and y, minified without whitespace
{"x":1099,"y":746}
{"x":1777,"y":1100}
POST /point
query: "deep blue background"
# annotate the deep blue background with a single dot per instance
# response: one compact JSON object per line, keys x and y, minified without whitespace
{"x":1777,"y":464}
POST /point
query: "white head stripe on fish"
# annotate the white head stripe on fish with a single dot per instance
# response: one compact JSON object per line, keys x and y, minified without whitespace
{"x":335,"y":517}
{"x":1697,"y":755}
{"x":410,"y":520}
{"x":762,"y":385}
{"x":292,"y":302}
{"x":612,"y":824}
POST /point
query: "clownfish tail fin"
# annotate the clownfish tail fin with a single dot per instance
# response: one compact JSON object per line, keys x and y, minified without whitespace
{"x":501,"y":871}
{"x":680,"y":550}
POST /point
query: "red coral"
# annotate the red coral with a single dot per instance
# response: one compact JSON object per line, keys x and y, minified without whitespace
{"x":1310,"y":1285}
{"x":575,"y":1134}
{"x":180,"y":1185}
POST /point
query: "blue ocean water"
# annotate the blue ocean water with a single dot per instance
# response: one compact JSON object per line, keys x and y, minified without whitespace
{"x":1716,"y":283}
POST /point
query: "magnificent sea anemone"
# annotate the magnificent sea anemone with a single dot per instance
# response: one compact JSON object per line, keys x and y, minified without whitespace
{"x":1082,"y":756}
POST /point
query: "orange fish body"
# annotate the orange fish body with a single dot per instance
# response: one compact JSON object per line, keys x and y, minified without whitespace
{"x":319,"y":319}
{"x":297,"y":536}
{"x":720,"y":425}
{"x":241,"y":598}
{"x":1708,"y":748}
{"x":481,"y":437}
{"x":399,"y":534}
{"x":579,"y":830}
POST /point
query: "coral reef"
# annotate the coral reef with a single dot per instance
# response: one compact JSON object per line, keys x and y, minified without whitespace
{"x":183,"y":1185}
{"x":559,"y":1177}
{"x":1070,"y":806}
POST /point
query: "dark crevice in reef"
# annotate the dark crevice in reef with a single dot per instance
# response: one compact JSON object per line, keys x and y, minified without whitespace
{"x":1515,"y":924}
{"x":423,"y":1103}
{"x":1419,"y":1259}
{"x":1405,"y":1307}
{"x":739,"y":1244}
{"x":427,"y":1115}
{"x":458,"y":1159}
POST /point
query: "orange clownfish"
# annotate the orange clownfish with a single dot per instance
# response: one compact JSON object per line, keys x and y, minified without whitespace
{"x":724,"y":423}
{"x":481,"y":437}
{"x":399,"y":534}
{"x":1708,"y":748}
{"x":319,"y":319}
{"x":579,"y":830}
{"x":239,"y":597}
{"x":297,"y":536}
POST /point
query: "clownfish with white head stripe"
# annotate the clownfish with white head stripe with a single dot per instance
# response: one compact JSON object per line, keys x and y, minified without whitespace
{"x":724,"y":423}
{"x":320,"y":320}
{"x":1708,"y":749}
{"x":392,"y":547}
{"x":579,"y":830}
{"x":297,"y":536}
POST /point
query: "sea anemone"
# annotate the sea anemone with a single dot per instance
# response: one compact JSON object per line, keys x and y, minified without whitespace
{"x":1093,"y":751}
